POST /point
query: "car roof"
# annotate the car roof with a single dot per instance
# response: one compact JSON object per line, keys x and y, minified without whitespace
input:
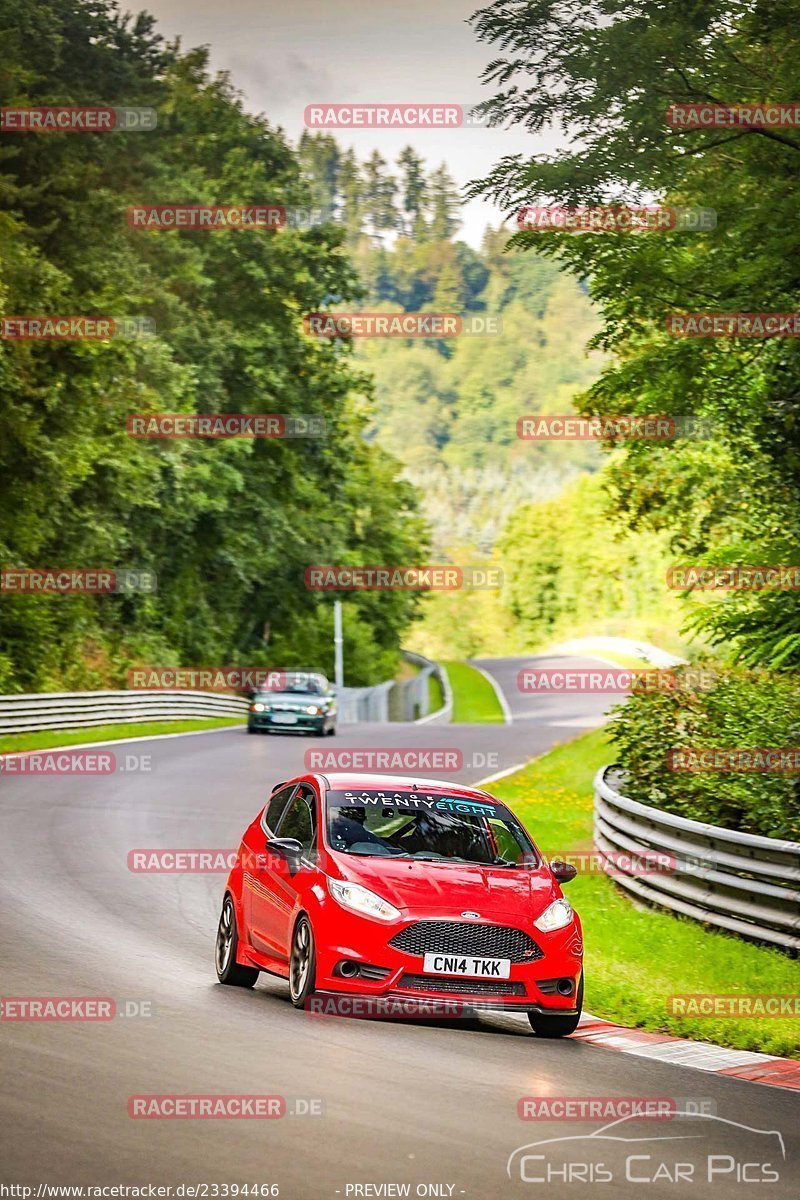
{"x":348,"y":780}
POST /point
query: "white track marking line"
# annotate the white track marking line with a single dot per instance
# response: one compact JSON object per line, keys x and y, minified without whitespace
{"x":498,"y":691}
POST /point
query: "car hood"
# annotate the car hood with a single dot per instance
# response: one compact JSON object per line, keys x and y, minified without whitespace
{"x":454,"y":888}
{"x":290,"y":700}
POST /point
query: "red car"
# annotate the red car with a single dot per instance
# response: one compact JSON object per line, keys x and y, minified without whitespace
{"x":392,"y":887}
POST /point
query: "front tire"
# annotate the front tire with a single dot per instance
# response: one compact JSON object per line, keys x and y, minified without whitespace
{"x":547,"y":1026}
{"x":302,"y":963}
{"x":228,"y":970}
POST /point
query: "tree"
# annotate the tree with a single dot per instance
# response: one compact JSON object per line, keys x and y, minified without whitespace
{"x":607,"y":74}
{"x":444,"y":204}
{"x":413,"y":192}
{"x":380,"y":189}
{"x":319,"y":156}
{"x":227,"y":526}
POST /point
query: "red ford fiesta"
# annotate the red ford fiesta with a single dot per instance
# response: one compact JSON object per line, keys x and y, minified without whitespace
{"x":390,"y":887}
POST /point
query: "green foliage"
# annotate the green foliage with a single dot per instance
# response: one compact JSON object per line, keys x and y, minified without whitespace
{"x":227,"y":526}
{"x":743,"y":709}
{"x":606,"y":72}
{"x":570,"y":570}
{"x":637,"y":957}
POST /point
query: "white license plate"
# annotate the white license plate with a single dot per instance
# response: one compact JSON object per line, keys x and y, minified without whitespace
{"x":284,"y":718}
{"x":460,"y":964}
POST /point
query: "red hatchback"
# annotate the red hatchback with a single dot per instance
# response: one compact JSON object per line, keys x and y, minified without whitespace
{"x":381,"y":886}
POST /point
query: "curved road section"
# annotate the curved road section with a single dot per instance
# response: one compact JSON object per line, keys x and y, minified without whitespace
{"x":373,"y":1108}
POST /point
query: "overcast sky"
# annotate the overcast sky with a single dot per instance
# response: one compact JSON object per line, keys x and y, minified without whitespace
{"x":285,"y":54}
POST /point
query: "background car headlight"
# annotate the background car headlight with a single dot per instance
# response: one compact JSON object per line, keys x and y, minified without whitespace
{"x":313,"y":710}
{"x":555,"y":916}
{"x":362,"y":900}
{"x":256,"y":708}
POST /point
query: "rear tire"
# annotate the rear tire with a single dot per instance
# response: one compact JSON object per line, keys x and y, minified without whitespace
{"x":228,"y":970}
{"x":302,"y":963}
{"x":547,"y":1026}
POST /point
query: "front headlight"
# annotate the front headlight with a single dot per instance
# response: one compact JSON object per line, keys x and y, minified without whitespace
{"x":362,"y":900}
{"x":555,"y":916}
{"x":313,"y":710}
{"x":256,"y":708}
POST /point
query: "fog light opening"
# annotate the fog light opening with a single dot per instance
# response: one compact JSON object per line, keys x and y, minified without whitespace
{"x":348,"y":969}
{"x":565,"y":987}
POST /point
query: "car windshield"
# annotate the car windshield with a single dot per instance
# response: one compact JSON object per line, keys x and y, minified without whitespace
{"x":300,"y":685}
{"x":427,"y":827}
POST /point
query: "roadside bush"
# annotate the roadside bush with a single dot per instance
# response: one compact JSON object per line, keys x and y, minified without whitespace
{"x":738,"y":710}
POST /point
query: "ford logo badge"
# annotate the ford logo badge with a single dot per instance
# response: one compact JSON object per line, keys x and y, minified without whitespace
{"x":470,"y":914}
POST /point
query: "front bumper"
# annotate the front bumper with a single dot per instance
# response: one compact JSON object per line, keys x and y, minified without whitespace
{"x":303,"y":723}
{"x":387,"y":972}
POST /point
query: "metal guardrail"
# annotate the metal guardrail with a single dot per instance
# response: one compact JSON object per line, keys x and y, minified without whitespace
{"x":74,"y":710}
{"x":400,"y":700}
{"x":739,"y":882}
{"x":397,"y":699}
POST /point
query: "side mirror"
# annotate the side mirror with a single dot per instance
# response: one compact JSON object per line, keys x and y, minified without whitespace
{"x":288,"y":848}
{"x":563,"y":871}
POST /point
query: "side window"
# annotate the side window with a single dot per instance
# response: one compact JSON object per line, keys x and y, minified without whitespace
{"x":299,"y":820}
{"x":275,"y":808}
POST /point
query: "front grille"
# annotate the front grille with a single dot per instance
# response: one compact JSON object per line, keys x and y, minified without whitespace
{"x":462,"y":987}
{"x":461,"y":937}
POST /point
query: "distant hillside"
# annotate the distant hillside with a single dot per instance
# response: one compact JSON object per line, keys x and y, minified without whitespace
{"x":448,"y":409}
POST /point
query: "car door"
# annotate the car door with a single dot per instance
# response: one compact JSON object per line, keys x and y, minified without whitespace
{"x":299,"y":821}
{"x":260,"y":886}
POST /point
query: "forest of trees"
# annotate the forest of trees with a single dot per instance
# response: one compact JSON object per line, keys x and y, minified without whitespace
{"x":227,"y":526}
{"x":607,"y":75}
{"x":449,"y":408}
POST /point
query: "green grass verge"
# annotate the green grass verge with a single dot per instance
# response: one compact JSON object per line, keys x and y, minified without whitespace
{"x":44,"y":739}
{"x":474,"y":698}
{"x":637,"y":957}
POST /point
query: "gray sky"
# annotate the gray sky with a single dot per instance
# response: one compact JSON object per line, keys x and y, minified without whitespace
{"x":285,"y":54}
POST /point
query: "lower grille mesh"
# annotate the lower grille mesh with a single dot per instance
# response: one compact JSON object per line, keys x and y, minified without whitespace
{"x":462,"y":937}
{"x":462,"y":987}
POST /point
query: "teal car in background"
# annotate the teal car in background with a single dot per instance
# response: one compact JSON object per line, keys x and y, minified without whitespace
{"x":306,"y":703}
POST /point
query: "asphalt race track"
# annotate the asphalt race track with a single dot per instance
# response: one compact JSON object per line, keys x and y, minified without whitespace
{"x":402,"y":1102}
